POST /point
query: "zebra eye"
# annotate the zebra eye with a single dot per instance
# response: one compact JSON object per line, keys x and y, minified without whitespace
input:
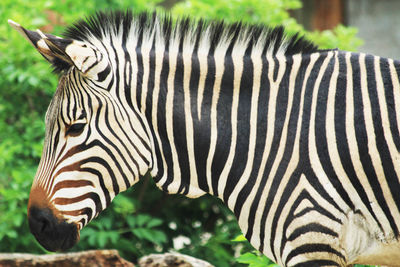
{"x":75,"y":129}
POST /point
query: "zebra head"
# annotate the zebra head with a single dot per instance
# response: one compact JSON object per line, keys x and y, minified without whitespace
{"x":93,"y":148}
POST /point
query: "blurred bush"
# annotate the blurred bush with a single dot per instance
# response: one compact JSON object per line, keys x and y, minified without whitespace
{"x":143,"y":219}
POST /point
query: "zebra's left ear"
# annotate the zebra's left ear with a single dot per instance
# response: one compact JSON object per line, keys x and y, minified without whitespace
{"x":64,"y":53}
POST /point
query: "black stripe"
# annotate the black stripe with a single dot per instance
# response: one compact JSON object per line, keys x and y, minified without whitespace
{"x":315,"y":207}
{"x":199,"y":129}
{"x":312,"y":248}
{"x":116,"y":66}
{"x":100,"y":177}
{"x":116,"y":147}
{"x":127,"y":75}
{"x":262,"y":121}
{"x":311,"y":227}
{"x":89,"y":195}
{"x":317,"y":263}
{"x":340,"y":131}
{"x":94,"y":63}
{"x":290,"y":140}
{"x":126,"y":148}
{"x":202,"y":127}
{"x":161,"y":121}
{"x":102,"y":75}
{"x":320,"y":133}
{"x":150,"y":84}
{"x":381,"y":145}
{"x":224,"y":125}
{"x":394,"y":127}
{"x":243,"y":129}
{"x":362,"y":140}
{"x":179,"y":127}
{"x":389,"y":98}
{"x":139,"y":71}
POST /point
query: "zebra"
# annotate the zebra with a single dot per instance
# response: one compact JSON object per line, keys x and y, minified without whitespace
{"x":302,"y":144}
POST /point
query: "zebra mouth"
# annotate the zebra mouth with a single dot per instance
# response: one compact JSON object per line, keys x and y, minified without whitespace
{"x":51,"y":233}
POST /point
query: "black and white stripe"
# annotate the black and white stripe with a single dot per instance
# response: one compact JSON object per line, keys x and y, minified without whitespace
{"x":301,"y":144}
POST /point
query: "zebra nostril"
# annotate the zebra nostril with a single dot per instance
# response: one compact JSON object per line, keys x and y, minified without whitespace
{"x":41,"y":220}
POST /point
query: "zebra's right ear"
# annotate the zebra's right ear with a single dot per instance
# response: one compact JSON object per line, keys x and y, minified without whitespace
{"x":65,"y":53}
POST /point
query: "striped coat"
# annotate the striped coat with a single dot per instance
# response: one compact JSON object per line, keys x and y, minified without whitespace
{"x":301,"y":144}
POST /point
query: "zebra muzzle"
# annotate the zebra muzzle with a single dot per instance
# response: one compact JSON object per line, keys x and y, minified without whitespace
{"x":49,"y":231}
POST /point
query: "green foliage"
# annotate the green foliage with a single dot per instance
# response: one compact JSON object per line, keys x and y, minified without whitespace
{"x":138,"y":225}
{"x":256,"y":260}
{"x":142,"y":220}
{"x":26,"y":87}
{"x":268,"y":12}
{"x":252,"y":257}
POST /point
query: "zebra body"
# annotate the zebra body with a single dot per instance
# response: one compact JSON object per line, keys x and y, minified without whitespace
{"x":301,"y":144}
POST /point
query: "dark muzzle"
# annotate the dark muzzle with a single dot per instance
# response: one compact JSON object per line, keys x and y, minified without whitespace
{"x":51,"y":233}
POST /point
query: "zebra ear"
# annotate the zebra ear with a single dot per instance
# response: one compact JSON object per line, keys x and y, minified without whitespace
{"x":65,"y":53}
{"x":37,"y":41}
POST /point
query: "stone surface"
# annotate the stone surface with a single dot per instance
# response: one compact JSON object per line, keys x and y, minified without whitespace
{"x":172,"y":260}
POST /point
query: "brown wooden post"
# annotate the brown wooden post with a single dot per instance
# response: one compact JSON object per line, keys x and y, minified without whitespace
{"x":327,"y":14}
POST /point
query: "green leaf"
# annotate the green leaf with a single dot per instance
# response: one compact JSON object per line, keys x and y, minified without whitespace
{"x":159,"y":237}
{"x":239,"y":238}
{"x":154,"y":222}
{"x":138,"y":232}
{"x":101,"y":239}
{"x":12,"y":234}
{"x":142,"y":219}
{"x":131,"y":220}
{"x":247,"y":258}
{"x":255,"y":260}
{"x":107,"y":223}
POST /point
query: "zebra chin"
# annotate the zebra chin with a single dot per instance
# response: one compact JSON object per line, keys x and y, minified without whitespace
{"x":53,"y":234}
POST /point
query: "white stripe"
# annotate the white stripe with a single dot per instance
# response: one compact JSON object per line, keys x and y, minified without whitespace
{"x":145,"y":51}
{"x":173,"y":187}
{"x":237,"y":58}
{"x":159,"y":54}
{"x":274,"y":88}
{"x":194,"y":190}
{"x":312,"y":139}
{"x":394,"y":154}
{"x":332,"y":141}
{"x":396,"y":89}
{"x":219,"y":56}
{"x":372,"y":148}
{"x":243,"y":219}
{"x":353,"y":146}
{"x":312,"y":216}
{"x":202,"y":53}
{"x":256,"y":59}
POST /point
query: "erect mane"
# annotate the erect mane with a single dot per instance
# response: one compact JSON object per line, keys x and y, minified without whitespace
{"x":272,"y":41}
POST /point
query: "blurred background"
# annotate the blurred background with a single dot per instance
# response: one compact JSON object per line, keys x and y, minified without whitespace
{"x":377,"y":21}
{"x":144,"y":220}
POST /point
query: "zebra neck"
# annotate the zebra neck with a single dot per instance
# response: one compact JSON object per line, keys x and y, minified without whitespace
{"x":204,"y":113}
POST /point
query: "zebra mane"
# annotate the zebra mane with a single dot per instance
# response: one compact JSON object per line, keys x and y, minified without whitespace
{"x":149,"y":27}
